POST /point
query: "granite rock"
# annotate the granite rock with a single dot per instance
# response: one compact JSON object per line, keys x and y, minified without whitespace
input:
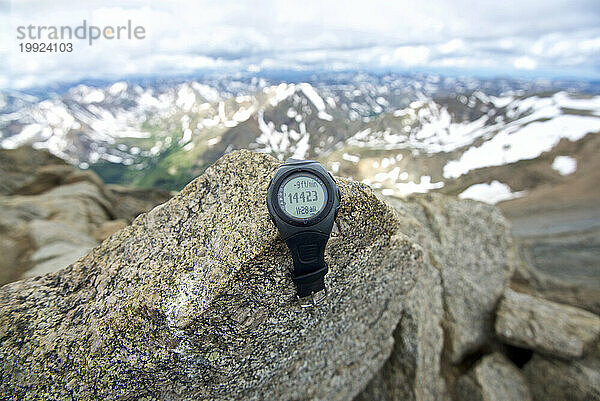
{"x":544,"y":326}
{"x":449,"y":314}
{"x":493,"y":378}
{"x":55,"y":256}
{"x":556,"y":379}
{"x":470,"y":244}
{"x":194,"y":300}
{"x":108,"y":228}
{"x":17,"y":166}
{"x":47,"y":205}
{"x":131,"y":202}
{"x":413,"y":370}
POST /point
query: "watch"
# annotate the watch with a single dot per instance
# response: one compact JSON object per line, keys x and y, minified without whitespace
{"x":303,"y":200}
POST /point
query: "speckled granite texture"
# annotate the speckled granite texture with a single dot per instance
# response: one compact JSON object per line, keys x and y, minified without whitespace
{"x":194,"y":300}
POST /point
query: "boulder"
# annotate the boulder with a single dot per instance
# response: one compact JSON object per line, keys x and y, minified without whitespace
{"x":194,"y":300}
{"x":15,"y":246}
{"x":470,"y":244}
{"x":46,"y":232}
{"x":575,"y":283}
{"x":17,"y":166}
{"x":47,"y":201}
{"x":449,"y":314}
{"x":544,"y":326}
{"x":65,"y":254}
{"x":555,"y":379}
{"x":131,"y":202}
{"x":414,"y":369}
{"x":78,"y":201}
{"x":493,"y":378}
{"x":15,"y":241}
{"x":108,"y":228}
{"x":44,"y":179}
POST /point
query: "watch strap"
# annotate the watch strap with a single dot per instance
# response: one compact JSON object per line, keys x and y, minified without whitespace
{"x":308,"y":254}
{"x":310,"y":283}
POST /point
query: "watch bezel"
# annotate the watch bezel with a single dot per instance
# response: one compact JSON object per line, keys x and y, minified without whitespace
{"x":329,"y":187}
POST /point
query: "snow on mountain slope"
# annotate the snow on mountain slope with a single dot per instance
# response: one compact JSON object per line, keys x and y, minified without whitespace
{"x":516,"y":143}
{"x":400,"y":134}
{"x":445,"y":142}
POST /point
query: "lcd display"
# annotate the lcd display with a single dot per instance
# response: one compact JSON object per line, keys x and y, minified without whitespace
{"x":302,"y":195}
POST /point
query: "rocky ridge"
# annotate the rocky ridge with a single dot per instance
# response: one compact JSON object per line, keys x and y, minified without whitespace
{"x":52,"y":213}
{"x":194,"y":300}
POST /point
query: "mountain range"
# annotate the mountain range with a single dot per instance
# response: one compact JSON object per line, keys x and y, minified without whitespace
{"x":398,"y":133}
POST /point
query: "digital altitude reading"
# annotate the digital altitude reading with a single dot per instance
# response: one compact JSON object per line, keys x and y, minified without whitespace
{"x":302,"y":196}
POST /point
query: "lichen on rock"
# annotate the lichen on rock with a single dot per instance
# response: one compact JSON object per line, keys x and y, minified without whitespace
{"x":194,"y":300}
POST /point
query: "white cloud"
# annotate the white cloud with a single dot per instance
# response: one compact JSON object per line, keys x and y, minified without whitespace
{"x":525,"y":63}
{"x":406,"y":56}
{"x":451,"y":46}
{"x":184,"y":36}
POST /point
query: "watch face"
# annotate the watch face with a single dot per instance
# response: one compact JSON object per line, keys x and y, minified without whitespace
{"x":302,"y":195}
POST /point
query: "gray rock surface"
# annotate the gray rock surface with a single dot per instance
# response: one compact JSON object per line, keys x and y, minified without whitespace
{"x":561,"y":268}
{"x":17,"y":166}
{"x":413,"y":370}
{"x":194,"y":300}
{"x":555,"y":379}
{"x":130,"y":202}
{"x":493,"y":378}
{"x":46,"y":232}
{"x":55,"y":256}
{"x":66,"y":215}
{"x":470,"y":245}
{"x":15,"y":245}
{"x":450,"y":311}
{"x":108,"y":228}
{"x":546,"y":326}
{"x":47,"y":206}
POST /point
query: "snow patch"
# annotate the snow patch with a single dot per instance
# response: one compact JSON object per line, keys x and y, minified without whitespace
{"x":501,"y":102}
{"x":351,"y":158}
{"x":279,"y":93}
{"x":424,"y":186}
{"x":316,"y":100}
{"x":210,"y":94}
{"x":27,"y":134}
{"x":565,"y":165}
{"x":521,"y":143}
{"x":117,"y":88}
{"x":564,"y":100}
{"x":94,"y":96}
{"x":185,"y":98}
{"x":491,"y":193}
{"x":213,"y":141}
{"x":282,"y":143}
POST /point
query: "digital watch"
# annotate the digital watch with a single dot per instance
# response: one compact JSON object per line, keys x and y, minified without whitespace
{"x":303,"y":200}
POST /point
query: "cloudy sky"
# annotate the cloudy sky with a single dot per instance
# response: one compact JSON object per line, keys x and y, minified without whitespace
{"x":502,"y":37}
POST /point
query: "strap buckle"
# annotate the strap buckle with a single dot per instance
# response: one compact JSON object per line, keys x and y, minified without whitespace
{"x":315,"y":298}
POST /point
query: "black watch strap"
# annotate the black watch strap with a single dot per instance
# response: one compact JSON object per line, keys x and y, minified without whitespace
{"x":310,"y":283}
{"x":308,"y":250}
